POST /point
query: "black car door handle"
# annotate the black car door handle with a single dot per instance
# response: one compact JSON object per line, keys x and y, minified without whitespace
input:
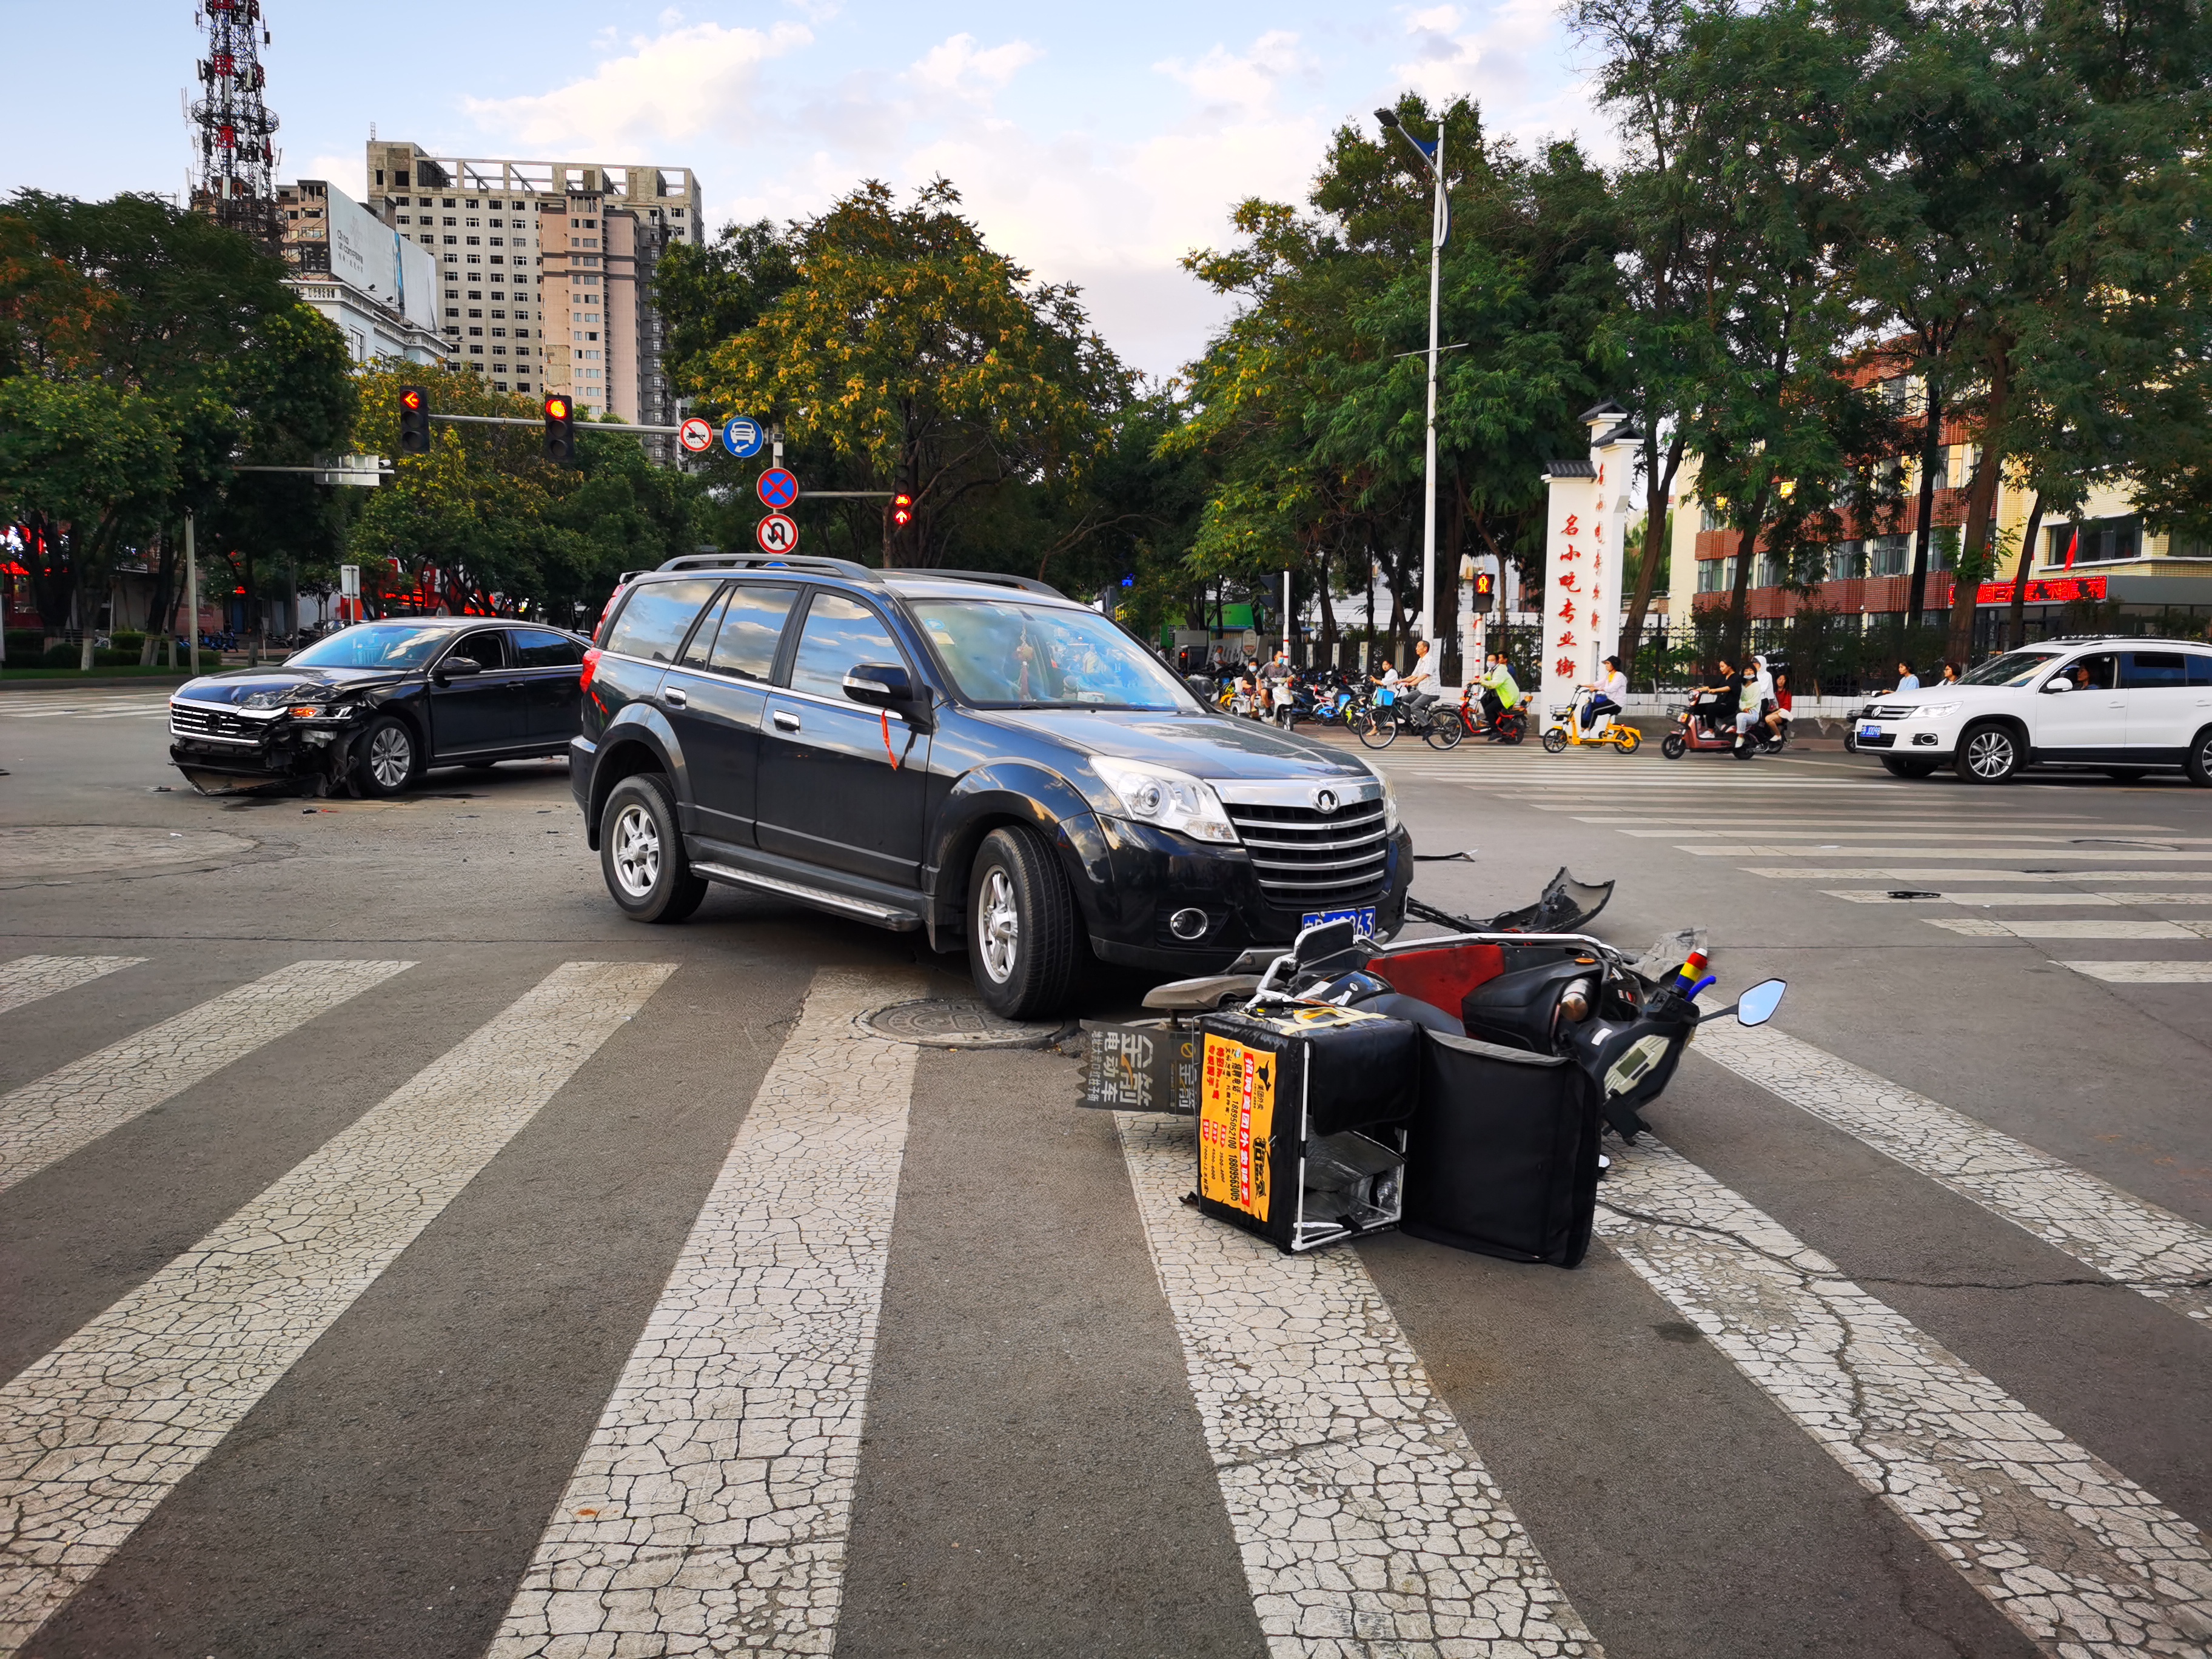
{"x":786,"y":722}
{"x":673,"y":698}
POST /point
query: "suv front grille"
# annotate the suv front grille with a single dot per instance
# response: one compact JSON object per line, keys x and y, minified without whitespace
{"x":1894,"y":711}
{"x":192,"y":720}
{"x":1310,"y":859}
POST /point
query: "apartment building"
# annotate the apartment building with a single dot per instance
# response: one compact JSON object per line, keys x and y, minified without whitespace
{"x":545,"y":269}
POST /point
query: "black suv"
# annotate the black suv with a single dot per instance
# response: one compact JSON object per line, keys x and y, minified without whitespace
{"x":971,"y":755}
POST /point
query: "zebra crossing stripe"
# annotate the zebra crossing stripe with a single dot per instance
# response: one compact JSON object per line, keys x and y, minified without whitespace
{"x":2107,"y":927}
{"x":94,"y":1434}
{"x":2145,"y":972}
{"x":2128,"y":1240}
{"x":1891,"y":873}
{"x":1367,"y":1524}
{"x":47,"y":1119}
{"x":2052,"y":899}
{"x":28,"y":978}
{"x":710,"y":1512}
{"x":1774,"y":850}
{"x":2082,"y":1561}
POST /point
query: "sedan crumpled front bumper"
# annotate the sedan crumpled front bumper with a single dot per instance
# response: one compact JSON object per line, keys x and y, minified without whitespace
{"x":224,"y":751}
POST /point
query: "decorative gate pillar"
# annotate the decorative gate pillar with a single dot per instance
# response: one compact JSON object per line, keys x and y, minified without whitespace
{"x":1585,"y":524}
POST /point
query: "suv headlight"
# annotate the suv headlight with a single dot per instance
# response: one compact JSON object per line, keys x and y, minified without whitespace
{"x":1166,"y":799}
{"x":1928,"y":711}
{"x":1389,"y":804}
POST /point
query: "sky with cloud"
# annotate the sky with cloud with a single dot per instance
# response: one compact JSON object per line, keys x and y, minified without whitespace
{"x":1095,"y":144}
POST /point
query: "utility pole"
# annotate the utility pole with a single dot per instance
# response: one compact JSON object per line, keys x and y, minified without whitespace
{"x":1439,"y":225}
{"x":193,"y":595}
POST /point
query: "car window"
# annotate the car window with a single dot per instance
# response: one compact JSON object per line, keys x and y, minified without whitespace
{"x":2200,"y":668}
{"x":536,"y":647}
{"x":2147,"y":670}
{"x":702,"y":637}
{"x":658,"y":614}
{"x":839,"y":634}
{"x":489,"y":647}
{"x":373,"y":645}
{"x":2096,"y":673}
{"x":752,"y":626}
{"x":1006,"y":652}
{"x":2013,"y":668}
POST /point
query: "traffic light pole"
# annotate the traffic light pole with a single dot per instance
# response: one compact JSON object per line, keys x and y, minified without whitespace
{"x":588,"y":426}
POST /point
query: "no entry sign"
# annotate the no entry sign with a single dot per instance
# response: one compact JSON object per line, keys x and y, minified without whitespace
{"x":695,"y":436}
{"x":777,"y":534}
{"x":779,"y":488}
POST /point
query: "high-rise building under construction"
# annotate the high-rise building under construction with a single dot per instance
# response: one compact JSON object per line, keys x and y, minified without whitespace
{"x":545,"y":268}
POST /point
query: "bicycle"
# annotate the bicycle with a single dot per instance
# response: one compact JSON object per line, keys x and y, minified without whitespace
{"x":1436,"y":726}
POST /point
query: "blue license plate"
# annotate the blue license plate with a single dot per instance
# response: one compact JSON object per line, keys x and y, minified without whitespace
{"x":1869,"y":730}
{"x":1364,"y":918}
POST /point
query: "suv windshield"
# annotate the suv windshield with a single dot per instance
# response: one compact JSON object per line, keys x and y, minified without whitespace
{"x":2013,"y":668}
{"x":1007,"y":655}
{"x":374,"y":645}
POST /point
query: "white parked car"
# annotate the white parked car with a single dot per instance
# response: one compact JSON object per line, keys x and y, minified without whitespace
{"x":2123,"y":706}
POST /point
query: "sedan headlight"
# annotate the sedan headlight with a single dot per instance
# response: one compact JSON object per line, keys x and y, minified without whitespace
{"x":1166,"y":799}
{"x":1928,"y":711}
{"x":277,"y":699}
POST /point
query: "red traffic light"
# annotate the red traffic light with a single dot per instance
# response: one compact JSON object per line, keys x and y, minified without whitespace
{"x":902,"y":509}
{"x":557,"y":409}
{"x":411,"y":399}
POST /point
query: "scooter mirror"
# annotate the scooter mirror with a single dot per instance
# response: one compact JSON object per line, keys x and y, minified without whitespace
{"x":1757,"y":1005}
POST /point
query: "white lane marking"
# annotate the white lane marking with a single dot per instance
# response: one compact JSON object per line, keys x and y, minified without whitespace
{"x":2003,"y":835}
{"x":2085,"y":1562}
{"x":709,"y":1512}
{"x":96,"y":1433}
{"x":1969,"y":895}
{"x":28,"y":978}
{"x":1962,"y":820}
{"x":48,"y":1119}
{"x":1367,"y":1524}
{"x":2128,"y":1240}
{"x":2145,"y":972}
{"x":2101,"y":928}
{"x":1893,"y":873}
{"x":1775,"y":849}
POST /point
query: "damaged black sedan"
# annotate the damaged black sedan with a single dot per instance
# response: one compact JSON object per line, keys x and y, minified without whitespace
{"x":371,"y":709}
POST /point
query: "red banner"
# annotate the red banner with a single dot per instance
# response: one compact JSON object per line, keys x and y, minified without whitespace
{"x":2059,"y":590}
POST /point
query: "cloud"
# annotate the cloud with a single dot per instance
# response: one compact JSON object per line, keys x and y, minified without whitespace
{"x":1508,"y":63}
{"x":671,"y":88}
{"x":346,"y":171}
{"x":1227,"y":83}
{"x":955,"y":68}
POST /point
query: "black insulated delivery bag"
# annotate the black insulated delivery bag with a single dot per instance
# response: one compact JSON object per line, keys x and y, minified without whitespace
{"x":1301,"y":1121}
{"x":1502,"y":1155}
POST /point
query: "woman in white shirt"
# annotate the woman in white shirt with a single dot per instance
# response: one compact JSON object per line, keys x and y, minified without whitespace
{"x":1612,"y":687}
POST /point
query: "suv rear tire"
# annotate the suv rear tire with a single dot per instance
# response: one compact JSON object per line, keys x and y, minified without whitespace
{"x":642,"y":852}
{"x":1989,"y":753}
{"x":2198,"y":763}
{"x":1025,"y":939}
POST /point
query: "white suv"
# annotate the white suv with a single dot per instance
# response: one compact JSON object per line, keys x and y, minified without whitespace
{"x":2124,"y":706}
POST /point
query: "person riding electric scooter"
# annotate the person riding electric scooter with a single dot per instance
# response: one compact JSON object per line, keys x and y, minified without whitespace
{"x":1504,"y":716}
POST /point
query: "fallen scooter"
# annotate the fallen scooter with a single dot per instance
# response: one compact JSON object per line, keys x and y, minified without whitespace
{"x":1457,"y":1087}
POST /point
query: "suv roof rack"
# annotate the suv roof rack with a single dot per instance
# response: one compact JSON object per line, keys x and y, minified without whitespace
{"x":2098,"y":638}
{"x":814,"y":564}
{"x":996,"y":578}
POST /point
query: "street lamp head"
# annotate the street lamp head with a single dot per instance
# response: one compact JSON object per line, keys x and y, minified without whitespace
{"x":1388,"y":118}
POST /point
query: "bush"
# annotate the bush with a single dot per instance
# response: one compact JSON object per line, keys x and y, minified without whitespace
{"x":130,"y":644}
{"x":24,"y":645}
{"x":59,"y":656}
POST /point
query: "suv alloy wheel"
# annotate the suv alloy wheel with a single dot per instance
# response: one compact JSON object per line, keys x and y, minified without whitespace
{"x":1022,"y":932}
{"x":1989,"y":753}
{"x":641,"y":852}
{"x":2198,"y":765}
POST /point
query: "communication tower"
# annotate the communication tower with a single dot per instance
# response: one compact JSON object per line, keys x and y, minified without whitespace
{"x":238,"y":160}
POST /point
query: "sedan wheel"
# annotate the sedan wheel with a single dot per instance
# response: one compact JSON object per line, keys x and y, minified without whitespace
{"x":387,"y":757}
{"x":1988,"y":754}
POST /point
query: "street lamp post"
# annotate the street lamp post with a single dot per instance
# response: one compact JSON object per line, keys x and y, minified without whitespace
{"x":1435,"y":160}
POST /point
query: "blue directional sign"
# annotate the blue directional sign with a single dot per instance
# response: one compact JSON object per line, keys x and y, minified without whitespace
{"x":778,"y":488}
{"x":742,"y":436}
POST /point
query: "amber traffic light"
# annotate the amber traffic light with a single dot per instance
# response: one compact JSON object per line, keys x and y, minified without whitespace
{"x":560,"y":427}
{"x":414,"y":420}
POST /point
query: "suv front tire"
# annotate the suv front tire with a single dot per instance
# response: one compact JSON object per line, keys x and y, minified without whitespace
{"x":641,"y":852}
{"x":1024,"y":936}
{"x":1989,"y":753}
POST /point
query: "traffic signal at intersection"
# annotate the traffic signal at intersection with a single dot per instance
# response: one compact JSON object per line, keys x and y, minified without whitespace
{"x":414,"y":420}
{"x":902,"y":509}
{"x":560,"y":427}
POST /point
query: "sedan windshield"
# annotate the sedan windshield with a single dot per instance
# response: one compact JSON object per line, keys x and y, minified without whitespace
{"x":374,"y":645}
{"x":2013,"y":668}
{"x":1004,"y":655}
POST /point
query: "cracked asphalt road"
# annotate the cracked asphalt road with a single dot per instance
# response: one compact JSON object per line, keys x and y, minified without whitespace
{"x":724,"y":1330}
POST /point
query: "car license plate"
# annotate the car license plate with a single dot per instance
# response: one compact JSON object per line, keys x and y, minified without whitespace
{"x":1869,"y":730}
{"x":1364,"y":918}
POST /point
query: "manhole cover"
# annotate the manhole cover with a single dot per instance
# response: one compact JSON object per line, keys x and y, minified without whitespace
{"x":956,"y":1023}
{"x":43,"y":852}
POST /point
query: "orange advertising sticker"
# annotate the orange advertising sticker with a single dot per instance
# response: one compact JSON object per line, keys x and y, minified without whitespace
{"x":1236,"y":1124}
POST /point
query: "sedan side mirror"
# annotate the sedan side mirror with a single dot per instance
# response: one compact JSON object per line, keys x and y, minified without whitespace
{"x":459,"y":668}
{"x":2061,"y":684}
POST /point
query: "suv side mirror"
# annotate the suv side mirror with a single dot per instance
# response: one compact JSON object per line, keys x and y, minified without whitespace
{"x":880,"y":685}
{"x":457,"y":668}
{"x":2060,"y":683}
